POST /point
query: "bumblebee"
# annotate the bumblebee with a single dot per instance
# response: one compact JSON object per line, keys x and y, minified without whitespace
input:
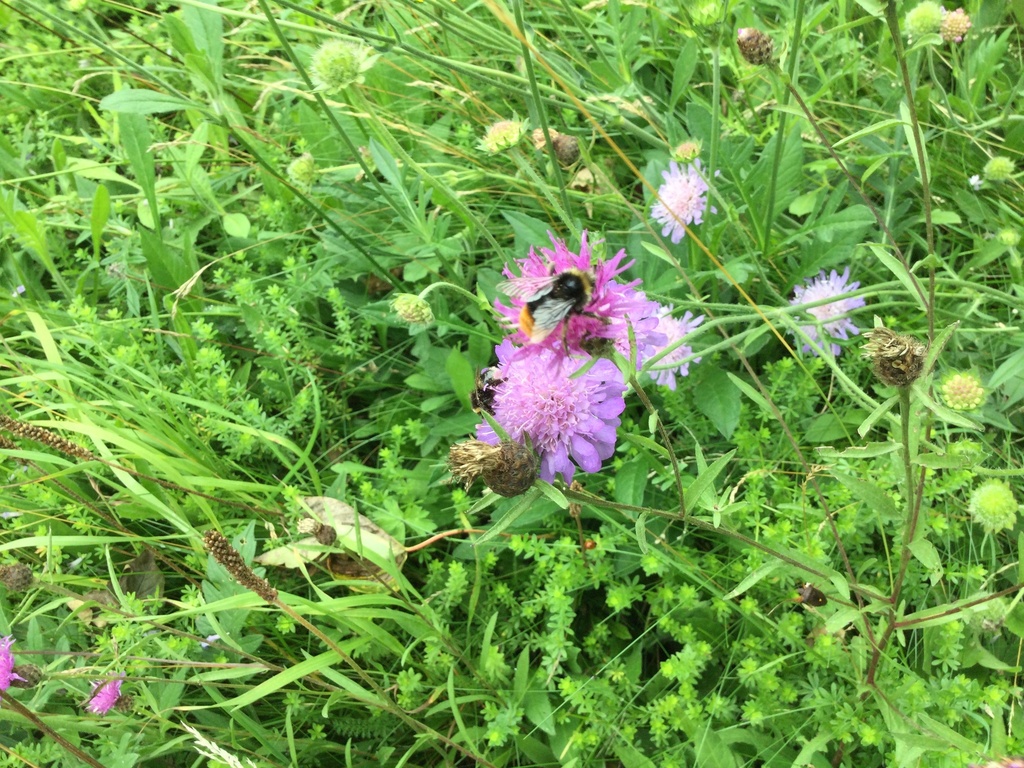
{"x":549,"y":300}
{"x":482,"y":397}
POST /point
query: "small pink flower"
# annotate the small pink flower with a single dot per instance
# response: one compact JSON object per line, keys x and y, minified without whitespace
{"x":681,"y":199}
{"x":104,"y":696}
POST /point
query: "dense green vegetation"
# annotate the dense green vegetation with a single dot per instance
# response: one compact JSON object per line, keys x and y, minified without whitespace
{"x":253,"y":256}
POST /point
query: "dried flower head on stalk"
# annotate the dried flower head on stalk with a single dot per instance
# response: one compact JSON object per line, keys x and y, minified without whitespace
{"x":508,"y":468}
{"x":897,"y":359}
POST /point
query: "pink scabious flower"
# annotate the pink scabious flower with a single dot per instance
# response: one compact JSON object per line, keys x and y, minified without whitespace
{"x":7,"y":673}
{"x":613,"y":306}
{"x":681,"y":199}
{"x":570,"y":420}
{"x":104,"y":696}
{"x":666,"y":368}
{"x":830,"y":315}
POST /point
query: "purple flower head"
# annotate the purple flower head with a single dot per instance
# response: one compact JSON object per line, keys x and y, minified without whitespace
{"x":7,"y":674}
{"x":681,"y":199}
{"x":834,"y":286}
{"x":675,"y":329}
{"x":104,"y":696}
{"x":569,"y":420}
{"x":611,"y":309}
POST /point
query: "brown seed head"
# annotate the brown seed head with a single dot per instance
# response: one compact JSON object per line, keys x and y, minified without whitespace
{"x":508,"y":469}
{"x":567,"y":148}
{"x":897,"y":359}
{"x":229,"y":557}
{"x":17,"y":577}
{"x":26,"y":676}
{"x":755,"y":46}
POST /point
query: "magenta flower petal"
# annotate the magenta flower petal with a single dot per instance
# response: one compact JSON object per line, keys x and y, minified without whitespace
{"x":831,"y":316}
{"x":681,"y":200}
{"x":7,"y":674}
{"x":104,"y":696}
{"x":569,"y":420}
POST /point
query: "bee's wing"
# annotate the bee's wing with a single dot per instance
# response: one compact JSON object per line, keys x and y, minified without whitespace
{"x":527,"y":288}
{"x":548,"y":315}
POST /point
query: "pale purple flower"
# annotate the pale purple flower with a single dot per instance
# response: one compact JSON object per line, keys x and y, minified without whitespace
{"x":831,"y":315}
{"x":666,"y":368}
{"x":681,"y":199}
{"x":612,"y":309}
{"x":975,"y":182}
{"x":19,"y":290}
{"x":204,"y":644}
{"x":104,"y":696}
{"x":7,"y":673}
{"x":570,"y":420}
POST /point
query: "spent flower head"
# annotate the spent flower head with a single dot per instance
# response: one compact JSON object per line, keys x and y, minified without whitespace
{"x":897,"y":359}
{"x":993,"y":506}
{"x":755,"y":46}
{"x":105,"y":696}
{"x":302,"y":170}
{"x":337,"y":64}
{"x":613,"y":308}
{"x":566,"y":408}
{"x":681,"y":199}
{"x":674,"y":363}
{"x":508,"y":468}
{"x":831,"y":316}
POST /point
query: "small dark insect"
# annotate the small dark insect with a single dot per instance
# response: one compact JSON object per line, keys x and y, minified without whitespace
{"x":482,"y":397}
{"x":810,"y":595}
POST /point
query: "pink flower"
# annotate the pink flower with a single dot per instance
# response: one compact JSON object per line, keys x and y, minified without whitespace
{"x":666,"y":368}
{"x":569,"y":418}
{"x":104,"y":696}
{"x":7,"y":673}
{"x":831,"y":315}
{"x":681,"y":199}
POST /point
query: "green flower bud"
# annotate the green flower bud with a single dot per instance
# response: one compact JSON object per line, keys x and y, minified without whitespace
{"x":999,"y":168}
{"x":993,"y":506}
{"x":412,"y":309}
{"x":1008,"y":236}
{"x":302,"y":170}
{"x":337,"y":64}
{"x":923,"y":19}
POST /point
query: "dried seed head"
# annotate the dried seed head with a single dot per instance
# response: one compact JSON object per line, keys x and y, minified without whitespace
{"x":897,"y":359}
{"x":229,"y":557}
{"x":567,"y":148}
{"x":508,"y":469}
{"x":17,"y":577}
{"x":324,"y":534}
{"x":755,"y":46}
{"x":26,"y":676}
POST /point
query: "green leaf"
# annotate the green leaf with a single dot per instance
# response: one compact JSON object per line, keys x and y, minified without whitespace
{"x":236,"y":224}
{"x":874,"y":496}
{"x":529,"y":231}
{"x":717,"y":398}
{"x":142,"y":101}
{"x":900,"y":272}
{"x":631,"y":482}
{"x":99,"y":217}
{"x":693,"y":496}
{"x":460,"y":372}
{"x":517,"y":510}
